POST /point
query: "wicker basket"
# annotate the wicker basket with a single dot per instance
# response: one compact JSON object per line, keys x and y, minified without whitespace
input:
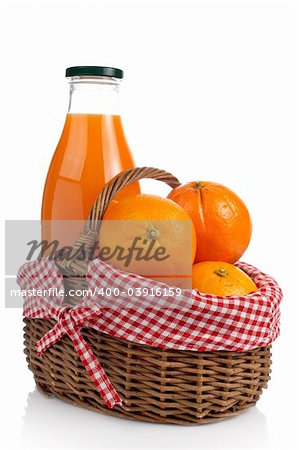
{"x":156,"y":385}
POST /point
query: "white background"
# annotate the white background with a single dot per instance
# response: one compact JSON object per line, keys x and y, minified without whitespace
{"x":211,"y":93}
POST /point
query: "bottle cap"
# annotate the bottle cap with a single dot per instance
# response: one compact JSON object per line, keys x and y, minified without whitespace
{"x":95,"y":71}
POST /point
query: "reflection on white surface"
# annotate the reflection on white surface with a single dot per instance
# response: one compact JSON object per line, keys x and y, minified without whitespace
{"x":52,"y":423}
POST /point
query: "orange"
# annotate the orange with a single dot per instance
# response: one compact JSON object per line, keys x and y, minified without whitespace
{"x":221,"y":219}
{"x":221,"y":278}
{"x":157,"y":223}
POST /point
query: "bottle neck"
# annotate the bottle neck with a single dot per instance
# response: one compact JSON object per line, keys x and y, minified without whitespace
{"x":94,"y":95}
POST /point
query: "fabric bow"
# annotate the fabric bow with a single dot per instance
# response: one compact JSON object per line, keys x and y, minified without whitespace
{"x":69,"y":320}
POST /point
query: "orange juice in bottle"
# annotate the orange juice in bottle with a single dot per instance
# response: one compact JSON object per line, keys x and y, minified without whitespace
{"x":92,"y":150}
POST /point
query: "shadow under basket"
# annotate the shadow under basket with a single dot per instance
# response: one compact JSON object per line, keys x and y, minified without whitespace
{"x":156,"y":385}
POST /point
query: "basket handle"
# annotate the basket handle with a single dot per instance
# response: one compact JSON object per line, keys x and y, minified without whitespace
{"x":118,"y":183}
{"x":72,"y":266}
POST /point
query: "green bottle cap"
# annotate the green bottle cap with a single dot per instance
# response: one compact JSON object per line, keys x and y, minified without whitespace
{"x":95,"y":71}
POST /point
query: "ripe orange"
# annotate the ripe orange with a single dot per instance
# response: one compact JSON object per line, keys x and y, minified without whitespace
{"x":157,"y":223}
{"x":221,"y":219}
{"x":221,"y":278}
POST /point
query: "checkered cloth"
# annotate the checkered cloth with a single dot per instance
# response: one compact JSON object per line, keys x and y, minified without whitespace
{"x":122,"y":305}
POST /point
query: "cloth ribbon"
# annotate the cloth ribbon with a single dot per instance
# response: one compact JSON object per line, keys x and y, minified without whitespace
{"x":70,"y":321}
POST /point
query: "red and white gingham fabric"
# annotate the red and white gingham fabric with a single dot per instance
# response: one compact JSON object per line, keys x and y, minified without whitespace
{"x":43,"y":275}
{"x":190,"y":321}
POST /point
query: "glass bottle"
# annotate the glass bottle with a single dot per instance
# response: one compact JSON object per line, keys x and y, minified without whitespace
{"x":92,"y":150}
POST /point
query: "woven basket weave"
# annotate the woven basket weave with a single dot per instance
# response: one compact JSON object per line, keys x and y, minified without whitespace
{"x":156,"y":385}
